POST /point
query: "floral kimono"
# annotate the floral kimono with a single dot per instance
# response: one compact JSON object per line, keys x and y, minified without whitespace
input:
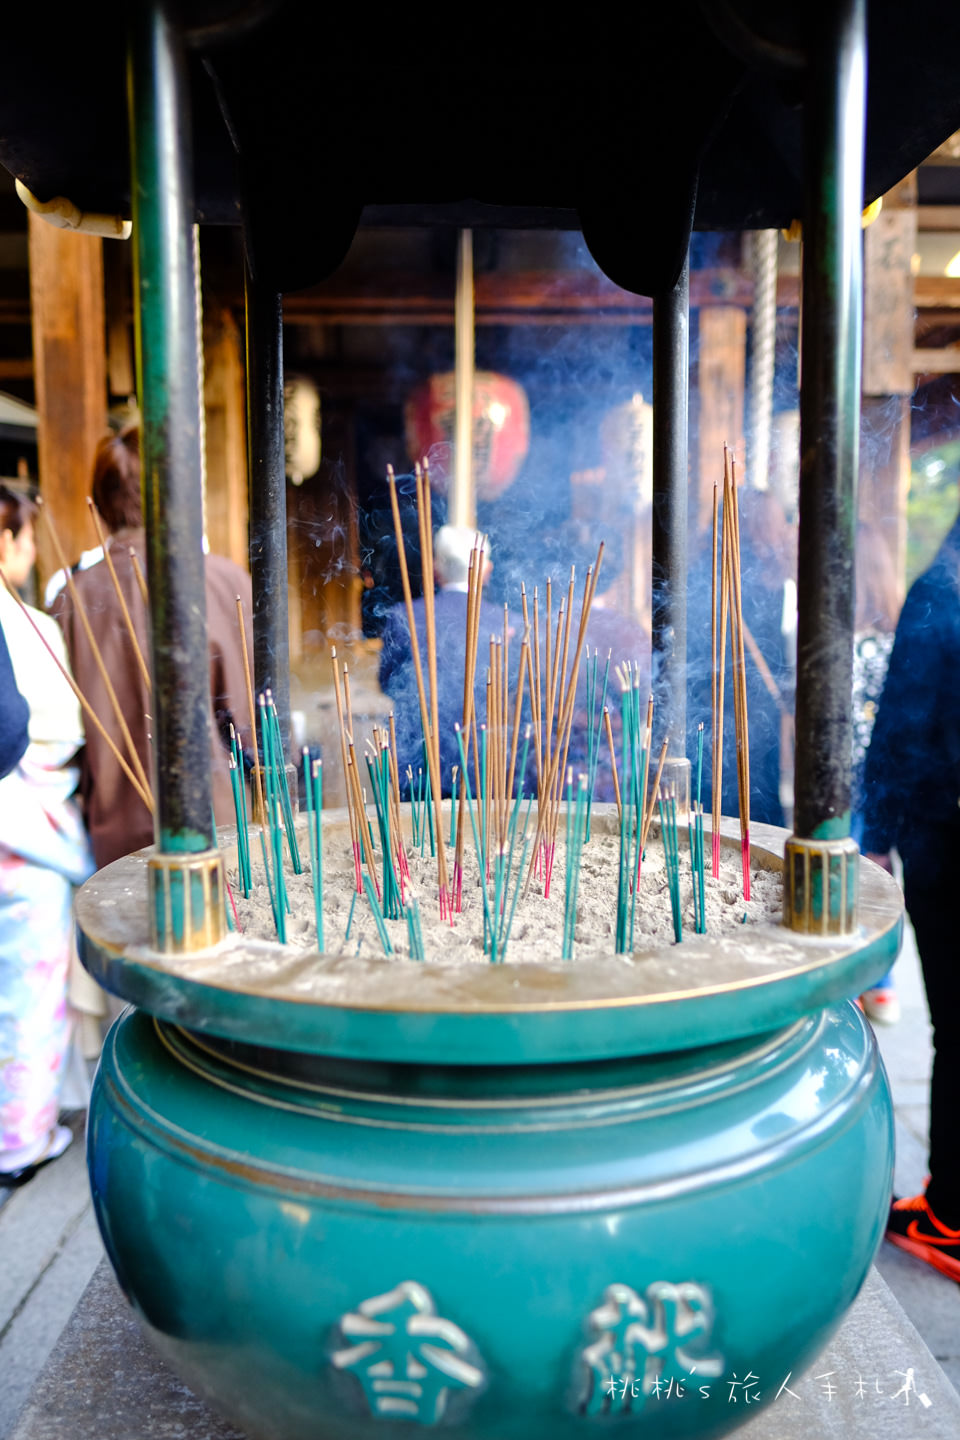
{"x":43,"y":853}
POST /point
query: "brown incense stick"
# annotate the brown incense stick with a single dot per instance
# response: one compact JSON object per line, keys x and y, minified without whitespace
{"x":425,"y":506}
{"x":566,"y":718}
{"x":97,"y":655}
{"x":518,"y":705}
{"x":394,"y":772}
{"x":654,"y":793}
{"x":721,"y":680}
{"x":138,"y":571}
{"x":474,"y":585}
{"x":555,"y":688}
{"x":613,"y":761}
{"x":341,"y":727}
{"x":734,"y":637}
{"x":145,"y":794}
{"x":548,"y":673}
{"x":743,"y":738}
{"x":347,"y":701}
{"x":474,"y":651}
{"x":363,"y":824}
{"x":429,"y":586}
{"x":566,"y":637}
{"x":433,"y":767}
{"x":563,"y":740}
{"x":121,"y":600}
{"x":536,"y":695}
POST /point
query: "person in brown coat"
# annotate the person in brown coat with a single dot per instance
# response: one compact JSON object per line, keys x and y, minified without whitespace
{"x":117,"y":819}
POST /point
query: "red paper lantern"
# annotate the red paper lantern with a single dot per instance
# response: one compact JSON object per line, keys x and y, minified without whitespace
{"x":501,"y":430}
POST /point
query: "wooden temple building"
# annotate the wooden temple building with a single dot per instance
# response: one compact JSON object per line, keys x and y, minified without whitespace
{"x":364,"y":340}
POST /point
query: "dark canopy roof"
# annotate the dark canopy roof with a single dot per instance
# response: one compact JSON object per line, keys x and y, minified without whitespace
{"x":626,"y":121}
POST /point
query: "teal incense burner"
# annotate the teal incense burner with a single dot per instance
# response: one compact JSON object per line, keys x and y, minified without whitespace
{"x":348,"y":1197}
{"x":351,"y":1199}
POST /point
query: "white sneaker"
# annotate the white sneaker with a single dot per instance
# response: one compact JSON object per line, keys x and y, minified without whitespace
{"x":881,"y":1005}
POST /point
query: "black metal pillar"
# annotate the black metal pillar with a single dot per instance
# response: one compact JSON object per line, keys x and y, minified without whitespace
{"x":166,"y":336}
{"x":829,"y":416}
{"x":268,"y":496}
{"x":821,"y":863}
{"x":671,"y":381}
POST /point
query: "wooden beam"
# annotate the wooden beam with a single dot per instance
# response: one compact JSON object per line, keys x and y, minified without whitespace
{"x":888,"y":310}
{"x":936,"y":362}
{"x":66,"y":289}
{"x":938,"y":217}
{"x":936,"y":292}
{"x":14,"y":310}
{"x":15,"y":368}
{"x":569,"y":297}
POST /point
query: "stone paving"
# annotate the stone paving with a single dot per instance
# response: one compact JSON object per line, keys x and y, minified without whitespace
{"x":50,"y":1248}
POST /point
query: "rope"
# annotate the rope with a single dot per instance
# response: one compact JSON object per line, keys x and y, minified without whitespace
{"x":763,"y":258}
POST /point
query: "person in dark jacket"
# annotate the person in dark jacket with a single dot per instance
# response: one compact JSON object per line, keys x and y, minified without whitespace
{"x":117,"y":818}
{"x":912,"y":802}
{"x":14,"y":714}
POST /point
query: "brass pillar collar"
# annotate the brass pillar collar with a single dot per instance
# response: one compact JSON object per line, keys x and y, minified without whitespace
{"x":187,"y":901}
{"x":820,"y":884}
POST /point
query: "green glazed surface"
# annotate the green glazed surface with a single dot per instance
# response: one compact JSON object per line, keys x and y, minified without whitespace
{"x":499,"y":1239}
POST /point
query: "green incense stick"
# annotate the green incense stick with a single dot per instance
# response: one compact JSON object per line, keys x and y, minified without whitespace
{"x":370,"y":888}
{"x":476,"y":838}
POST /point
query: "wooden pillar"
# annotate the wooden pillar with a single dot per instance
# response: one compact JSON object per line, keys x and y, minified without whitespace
{"x":888,"y":379}
{"x":226,"y":436}
{"x":118,"y":299}
{"x":66,"y":295}
{"x":721,"y":369}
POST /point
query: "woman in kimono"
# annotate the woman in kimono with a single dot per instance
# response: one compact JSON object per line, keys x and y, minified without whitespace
{"x":43,"y":854}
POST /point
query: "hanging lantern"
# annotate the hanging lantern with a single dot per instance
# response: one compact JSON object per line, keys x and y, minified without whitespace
{"x":301,"y":429}
{"x":501,"y":430}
